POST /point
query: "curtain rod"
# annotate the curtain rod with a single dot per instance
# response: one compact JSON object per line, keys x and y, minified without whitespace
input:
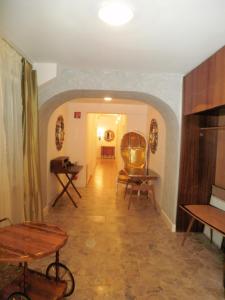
{"x":17,"y":51}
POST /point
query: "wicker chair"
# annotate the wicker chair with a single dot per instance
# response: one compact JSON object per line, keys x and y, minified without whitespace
{"x":133,"y":151}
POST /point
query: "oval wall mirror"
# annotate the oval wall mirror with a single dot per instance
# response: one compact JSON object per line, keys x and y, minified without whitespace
{"x":109,"y":135}
{"x":153,"y":135}
{"x":59,"y":133}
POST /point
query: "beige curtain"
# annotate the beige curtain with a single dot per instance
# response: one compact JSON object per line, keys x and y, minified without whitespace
{"x":32,"y":191}
{"x":11,"y":140}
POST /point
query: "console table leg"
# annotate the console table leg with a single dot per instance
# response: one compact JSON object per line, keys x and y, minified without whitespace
{"x":74,"y":203}
{"x":62,"y":192}
{"x":71,"y":181}
{"x":65,"y":187}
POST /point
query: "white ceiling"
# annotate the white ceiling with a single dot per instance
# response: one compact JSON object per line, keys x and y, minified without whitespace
{"x":164,"y":35}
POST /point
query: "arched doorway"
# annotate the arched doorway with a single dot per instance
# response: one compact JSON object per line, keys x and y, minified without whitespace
{"x":169,"y":197}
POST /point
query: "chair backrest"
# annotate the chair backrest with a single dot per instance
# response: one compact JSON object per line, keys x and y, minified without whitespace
{"x":133,"y":150}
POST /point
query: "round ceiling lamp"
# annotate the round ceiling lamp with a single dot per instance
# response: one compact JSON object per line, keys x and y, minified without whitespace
{"x":115,"y":13}
{"x":107,"y":99}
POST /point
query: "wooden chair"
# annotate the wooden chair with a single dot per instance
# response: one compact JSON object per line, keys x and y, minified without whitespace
{"x":133,"y":151}
{"x":143,"y":187}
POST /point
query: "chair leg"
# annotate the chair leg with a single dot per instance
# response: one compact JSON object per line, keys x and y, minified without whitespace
{"x":152,"y":190}
{"x":130,"y":198}
{"x":125,"y":193}
{"x":129,"y":203}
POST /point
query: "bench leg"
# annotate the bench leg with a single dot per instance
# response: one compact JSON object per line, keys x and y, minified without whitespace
{"x":188,"y":230}
{"x":130,"y":196}
{"x":211,"y":235}
{"x":224,"y":274}
{"x":223,"y":248}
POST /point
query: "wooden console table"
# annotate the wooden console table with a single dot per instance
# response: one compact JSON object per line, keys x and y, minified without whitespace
{"x":140,"y":180}
{"x":71,"y":172}
{"x":107,"y":152}
{"x":26,"y":242}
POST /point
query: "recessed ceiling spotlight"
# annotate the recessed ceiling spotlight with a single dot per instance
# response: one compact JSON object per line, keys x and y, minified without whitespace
{"x":115,"y":13}
{"x":108,"y":99}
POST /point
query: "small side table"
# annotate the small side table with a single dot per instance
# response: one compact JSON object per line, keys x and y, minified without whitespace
{"x":107,"y":152}
{"x":71,"y":172}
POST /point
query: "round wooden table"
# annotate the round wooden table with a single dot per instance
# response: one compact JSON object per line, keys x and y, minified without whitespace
{"x":25,"y":242}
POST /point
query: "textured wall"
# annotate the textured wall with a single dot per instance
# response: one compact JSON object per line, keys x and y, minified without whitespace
{"x":163,"y":86}
{"x":163,"y":91}
{"x":157,"y":159}
{"x":54,"y":187}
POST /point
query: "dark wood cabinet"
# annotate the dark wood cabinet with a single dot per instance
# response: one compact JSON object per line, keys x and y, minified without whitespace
{"x":197,"y":166}
{"x":202,"y":162}
{"x":204,"y":87}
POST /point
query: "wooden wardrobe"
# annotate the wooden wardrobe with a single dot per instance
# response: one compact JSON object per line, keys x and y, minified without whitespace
{"x":203,"y":135}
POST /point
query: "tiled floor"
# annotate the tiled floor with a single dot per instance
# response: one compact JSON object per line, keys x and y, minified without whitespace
{"x":116,"y":253}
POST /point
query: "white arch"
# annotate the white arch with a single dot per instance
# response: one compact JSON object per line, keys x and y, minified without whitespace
{"x":169,"y":202}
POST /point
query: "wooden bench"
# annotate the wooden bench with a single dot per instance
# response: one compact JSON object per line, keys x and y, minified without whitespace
{"x":208,"y":215}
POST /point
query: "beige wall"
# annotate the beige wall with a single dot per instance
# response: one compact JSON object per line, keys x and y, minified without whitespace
{"x":81,"y":143}
{"x":136,"y":121}
{"x":106,"y":121}
{"x":91,"y":148}
{"x":53,"y":186}
{"x":77,"y":137}
{"x":157,"y":159}
{"x":163,"y":91}
{"x":121,"y":130}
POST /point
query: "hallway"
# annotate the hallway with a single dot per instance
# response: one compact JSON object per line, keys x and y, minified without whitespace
{"x":122,"y":254}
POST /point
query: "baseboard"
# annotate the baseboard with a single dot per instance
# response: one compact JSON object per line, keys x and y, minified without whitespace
{"x":168,"y":222}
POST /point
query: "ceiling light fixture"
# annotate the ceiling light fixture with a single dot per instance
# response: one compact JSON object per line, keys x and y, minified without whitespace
{"x":115,"y":13}
{"x":107,"y":99}
{"x":100,"y":133}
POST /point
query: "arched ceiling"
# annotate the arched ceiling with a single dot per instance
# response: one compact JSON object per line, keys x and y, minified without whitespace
{"x":170,"y":36}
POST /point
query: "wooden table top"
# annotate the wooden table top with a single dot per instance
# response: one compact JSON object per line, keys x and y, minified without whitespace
{"x":142,"y":173}
{"x":74,"y":170}
{"x":208,"y":215}
{"x":29,"y":241}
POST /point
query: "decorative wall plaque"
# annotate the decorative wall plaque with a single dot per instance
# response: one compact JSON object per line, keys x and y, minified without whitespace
{"x":59,"y":132}
{"x":153,"y":135}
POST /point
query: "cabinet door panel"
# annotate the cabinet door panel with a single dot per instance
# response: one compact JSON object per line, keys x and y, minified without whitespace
{"x":187,"y":94}
{"x":204,"y":87}
{"x":195,"y":90}
{"x":200,"y":102}
{"x":220,"y":66}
